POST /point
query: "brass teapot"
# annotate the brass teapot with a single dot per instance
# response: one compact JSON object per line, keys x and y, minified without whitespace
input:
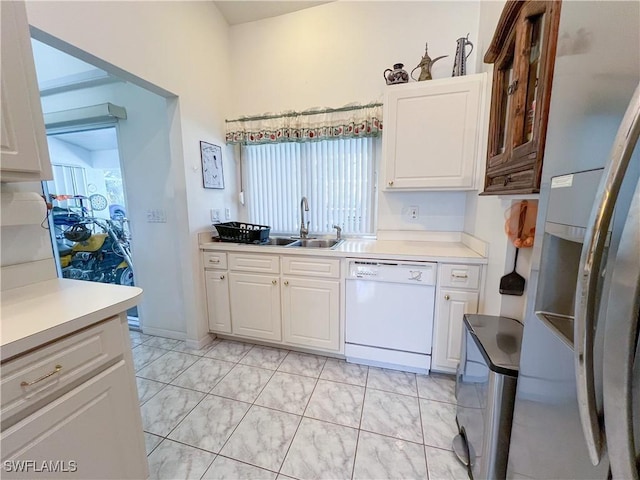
{"x":425,"y":65}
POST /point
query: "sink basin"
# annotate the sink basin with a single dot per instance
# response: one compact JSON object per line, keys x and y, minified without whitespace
{"x":316,"y":243}
{"x":279,"y":241}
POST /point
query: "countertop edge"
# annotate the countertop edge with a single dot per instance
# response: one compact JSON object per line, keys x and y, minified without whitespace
{"x":62,"y":327}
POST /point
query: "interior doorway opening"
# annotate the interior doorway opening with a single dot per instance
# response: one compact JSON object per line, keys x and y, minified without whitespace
{"x":89,"y":224}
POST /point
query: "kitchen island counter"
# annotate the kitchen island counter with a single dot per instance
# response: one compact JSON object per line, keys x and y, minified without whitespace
{"x":40,"y":313}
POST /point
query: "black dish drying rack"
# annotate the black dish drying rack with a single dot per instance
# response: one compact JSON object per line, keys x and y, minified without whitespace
{"x":239,"y":232}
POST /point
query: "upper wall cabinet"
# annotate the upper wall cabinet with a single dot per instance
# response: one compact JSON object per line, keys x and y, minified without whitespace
{"x":523,"y":52}
{"x":24,"y":155}
{"x":432,"y":134}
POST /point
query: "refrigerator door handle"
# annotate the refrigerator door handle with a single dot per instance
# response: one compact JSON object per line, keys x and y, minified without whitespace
{"x":621,"y":334}
{"x":590,"y":261}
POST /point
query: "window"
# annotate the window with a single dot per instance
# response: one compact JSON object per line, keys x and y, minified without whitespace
{"x":336,"y":176}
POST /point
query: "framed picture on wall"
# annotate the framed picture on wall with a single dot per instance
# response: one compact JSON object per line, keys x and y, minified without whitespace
{"x":211,"y":155}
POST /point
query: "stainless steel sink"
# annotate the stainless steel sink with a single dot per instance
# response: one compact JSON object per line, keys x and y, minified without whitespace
{"x":279,"y":241}
{"x":316,"y":243}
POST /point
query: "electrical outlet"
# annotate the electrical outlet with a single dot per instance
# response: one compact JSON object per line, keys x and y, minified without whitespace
{"x":414,"y":212}
{"x":227,"y":213}
{"x":215,"y":215}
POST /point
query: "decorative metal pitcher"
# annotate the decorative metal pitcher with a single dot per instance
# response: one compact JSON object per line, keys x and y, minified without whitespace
{"x":460,"y":62}
{"x":425,"y":65}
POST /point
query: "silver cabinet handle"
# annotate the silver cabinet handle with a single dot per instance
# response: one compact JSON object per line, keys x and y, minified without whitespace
{"x":590,"y":261}
{"x":622,"y":326}
{"x":211,"y":260}
{"x":28,"y":384}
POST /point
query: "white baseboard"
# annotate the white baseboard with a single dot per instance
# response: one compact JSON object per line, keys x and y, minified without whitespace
{"x":161,"y":332}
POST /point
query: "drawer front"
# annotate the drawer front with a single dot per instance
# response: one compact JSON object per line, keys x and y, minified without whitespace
{"x":311,"y":267}
{"x":460,"y":276}
{"x":27,"y":380}
{"x":215,"y":260}
{"x":254,"y":263}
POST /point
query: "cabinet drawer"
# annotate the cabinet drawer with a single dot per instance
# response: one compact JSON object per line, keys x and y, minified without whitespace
{"x":460,"y":276}
{"x":311,"y":267}
{"x":254,"y":263}
{"x":74,"y":357}
{"x":215,"y":260}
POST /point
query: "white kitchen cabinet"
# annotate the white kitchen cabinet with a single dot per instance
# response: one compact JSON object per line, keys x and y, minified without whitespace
{"x":218,"y":305}
{"x":433,"y":134}
{"x":255,"y":305}
{"x":458,"y":293}
{"x":24,"y":155}
{"x":311,"y":312}
{"x":88,"y":426}
{"x":73,"y":396}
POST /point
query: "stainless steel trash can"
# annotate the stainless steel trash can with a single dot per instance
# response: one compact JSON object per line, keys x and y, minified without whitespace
{"x":485,"y":391}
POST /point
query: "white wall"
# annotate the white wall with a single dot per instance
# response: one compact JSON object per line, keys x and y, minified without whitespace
{"x":178,"y":48}
{"x":336,"y":53}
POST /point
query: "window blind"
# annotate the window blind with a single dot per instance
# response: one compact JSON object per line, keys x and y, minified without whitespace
{"x":336,"y":176}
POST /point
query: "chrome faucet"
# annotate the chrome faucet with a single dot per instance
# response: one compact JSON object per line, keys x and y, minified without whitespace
{"x":304,"y":207}
{"x":338,"y":232}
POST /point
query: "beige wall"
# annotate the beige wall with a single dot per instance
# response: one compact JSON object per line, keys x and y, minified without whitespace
{"x":181,"y":50}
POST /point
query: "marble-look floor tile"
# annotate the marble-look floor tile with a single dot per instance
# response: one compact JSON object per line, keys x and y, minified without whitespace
{"x":444,"y":465}
{"x":167,"y":367}
{"x":171,"y":460}
{"x":341,"y":371}
{"x":438,"y":423}
{"x":147,"y":388}
{"x":203,"y":375}
{"x":211,"y":423}
{"x":224,"y":468}
{"x":303,"y":364}
{"x":437,"y":387}
{"x":138,"y":338}
{"x":321,"y":450}
{"x":162,"y":342}
{"x":391,"y":414}
{"x":182,"y":347}
{"x":262,"y":438}
{"x":388,"y":458}
{"x":392,"y":381}
{"x":151,"y":441}
{"x":167,"y":408}
{"x":287,"y":392}
{"x":243,"y":383}
{"x":144,"y":355}
{"x":229,"y":351}
{"x":264,"y":357}
{"x":336,"y":403}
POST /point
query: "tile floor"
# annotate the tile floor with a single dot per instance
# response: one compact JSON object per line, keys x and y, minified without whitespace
{"x":239,"y":411}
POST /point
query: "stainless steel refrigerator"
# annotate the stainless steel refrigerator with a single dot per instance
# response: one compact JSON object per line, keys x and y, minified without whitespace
{"x":577,"y":408}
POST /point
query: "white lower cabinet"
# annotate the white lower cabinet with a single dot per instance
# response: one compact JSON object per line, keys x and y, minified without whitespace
{"x":255,"y":305}
{"x":451,"y":305}
{"x":311,"y":312}
{"x":458,"y":293}
{"x":218,"y":305}
{"x":66,"y":431}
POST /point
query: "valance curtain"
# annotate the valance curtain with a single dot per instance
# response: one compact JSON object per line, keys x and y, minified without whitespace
{"x":351,"y":121}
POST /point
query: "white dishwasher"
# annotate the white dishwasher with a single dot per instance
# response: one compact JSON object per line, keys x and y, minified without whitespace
{"x":389,"y":313}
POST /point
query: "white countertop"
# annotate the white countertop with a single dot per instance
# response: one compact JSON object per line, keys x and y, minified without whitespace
{"x":456,"y":252}
{"x":39,"y":313}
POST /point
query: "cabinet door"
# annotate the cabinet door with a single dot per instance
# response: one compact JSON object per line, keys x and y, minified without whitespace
{"x":255,"y":305}
{"x":218,"y":308}
{"x":311,"y":312}
{"x":24,"y":155}
{"x":431,"y":134}
{"x":451,"y":306}
{"x":97,"y":426}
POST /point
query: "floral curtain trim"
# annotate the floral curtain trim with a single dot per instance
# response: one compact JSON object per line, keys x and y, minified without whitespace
{"x":351,"y":121}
